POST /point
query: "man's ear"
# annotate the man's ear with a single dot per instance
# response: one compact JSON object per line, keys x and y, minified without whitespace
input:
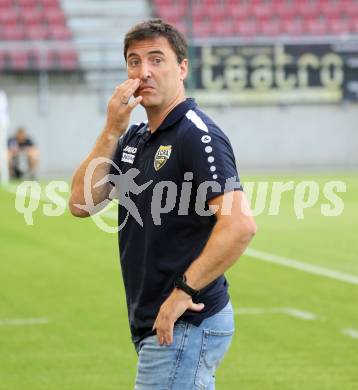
{"x":184,"y":69}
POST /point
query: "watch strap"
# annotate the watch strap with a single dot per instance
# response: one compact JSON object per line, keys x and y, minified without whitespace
{"x":180,"y":282}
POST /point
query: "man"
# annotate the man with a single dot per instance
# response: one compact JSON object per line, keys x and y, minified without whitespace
{"x":179,"y":310}
{"x":23,"y":155}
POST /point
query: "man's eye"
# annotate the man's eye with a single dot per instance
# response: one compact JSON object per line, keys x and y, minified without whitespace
{"x":133,"y":62}
{"x":157,"y":60}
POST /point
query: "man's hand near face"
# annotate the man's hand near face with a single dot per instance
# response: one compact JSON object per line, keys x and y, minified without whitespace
{"x":118,"y":115}
{"x":120,"y":108}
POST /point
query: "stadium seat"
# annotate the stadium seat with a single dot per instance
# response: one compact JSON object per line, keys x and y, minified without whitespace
{"x":292,"y":27}
{"x":202,"y":30}
{"x":49,"y":3}
{"x":297,"y":17}
{"x":182,"y":27}
{"x":68,"y":59}
{"x":339,"y":26}
{"x":35,"y":20}
{"x":217,"y":13}
{"x":26,"y":3}
{"x":269,"y":27}
{"x":59,"y":33}
{"x":177,"y":11}
{"x":225,"y":29}
{"x":316,"y":26}
{"x":284,"y":10}
{"x":351,"y":9}
{"x":54,"y":16}
{"x":6,"y":4}
{"x":9,"y":16}
{"x":354,"y":25}
{"x":2,"y":61}
{"x":19,"y":60}
{"x":37,"y":33}
{"x":239,"y":11}
{"x":15,"y":33}
{"x":307,"y":9}
{"x":31,"y":17}
{"x":262,"y":11}
{"x":333,"y":9}
{"x":246,"y":28}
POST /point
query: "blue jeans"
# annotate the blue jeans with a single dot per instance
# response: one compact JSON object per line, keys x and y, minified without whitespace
{"x":189,"y":363}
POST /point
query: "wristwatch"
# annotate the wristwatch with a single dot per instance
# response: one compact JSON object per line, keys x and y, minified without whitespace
{"x":180,"y":282}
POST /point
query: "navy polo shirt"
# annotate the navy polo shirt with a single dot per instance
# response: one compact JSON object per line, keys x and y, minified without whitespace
{"x":188,"y":151}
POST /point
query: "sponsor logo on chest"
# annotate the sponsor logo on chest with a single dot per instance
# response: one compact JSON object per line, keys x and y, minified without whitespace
{"x":129,"y":154}
{"x":162,"y":156}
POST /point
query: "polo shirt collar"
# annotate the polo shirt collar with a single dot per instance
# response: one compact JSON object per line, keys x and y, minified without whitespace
{"x":174,"y":115}
{"x":177,"y":113}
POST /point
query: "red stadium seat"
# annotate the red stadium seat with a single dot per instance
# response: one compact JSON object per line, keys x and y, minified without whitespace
{"x":31,"y":17}
{"x":246,"y":28}
{"x":68,"y":59}
{"x":269,"y":27}
{"x":55,"y":16}
{"x":201,"y":30}
{"x":182,"y":27}
{"x":226,"y":29}
{"x":19,"y":60}
{"x":333,"y":9}
{"x":26,"y":3}
{"x":295,"y":17}
{"x":6,"y":4}
{"x":354,"y":25}
{"x":16,"y":33}
{"x":284,"y":10}
{"x":38,"y":59}
{"x":316,"y":26}
{"x":49,"y":3}
{"x":351,"y":9}
{"x":339,"y":26}
{"x":292,"y":27}
{"x":37,"y":33}
{"x":262,"y":11}
{"x":2,"y":61}
{"x":239,"y":11}
{"x":217,"y":14}
{"x":59,"y":33}
{"x":307,"y":9}
{"x":9,"y":16}
{"x":176,"y":11}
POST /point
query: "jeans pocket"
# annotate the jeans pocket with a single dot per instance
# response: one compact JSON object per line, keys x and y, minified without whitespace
{"x":215,"y":343}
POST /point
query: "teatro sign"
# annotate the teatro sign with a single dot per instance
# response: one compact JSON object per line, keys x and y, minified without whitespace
{"x":271,"y":74}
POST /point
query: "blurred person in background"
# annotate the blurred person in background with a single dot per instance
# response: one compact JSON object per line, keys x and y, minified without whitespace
{"x":179,"y":309}
{"x":23,"y":155}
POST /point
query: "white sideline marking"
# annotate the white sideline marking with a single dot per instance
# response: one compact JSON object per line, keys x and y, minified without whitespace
{"x":350,"y":332}
{"x":306,"y":267}
{"x":24,"y":321}
{"x":303,"y":315}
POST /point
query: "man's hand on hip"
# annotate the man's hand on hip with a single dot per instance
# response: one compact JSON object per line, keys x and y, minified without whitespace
{"x":171,"y":309}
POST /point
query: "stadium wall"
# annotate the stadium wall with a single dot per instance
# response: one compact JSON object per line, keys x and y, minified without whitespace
{"x":276,"y":138}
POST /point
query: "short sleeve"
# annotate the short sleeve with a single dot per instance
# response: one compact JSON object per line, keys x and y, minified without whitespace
{"x":208,"y":154}
{"x":116,"y":159}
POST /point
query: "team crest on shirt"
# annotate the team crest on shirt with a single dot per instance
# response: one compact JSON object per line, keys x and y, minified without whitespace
{"x":162,"y":156}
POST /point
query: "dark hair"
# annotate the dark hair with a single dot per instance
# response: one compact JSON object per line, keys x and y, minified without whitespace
{"x":154,"y":28}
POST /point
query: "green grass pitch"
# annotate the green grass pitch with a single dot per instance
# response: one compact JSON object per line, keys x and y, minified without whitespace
{"x":66,"y":271}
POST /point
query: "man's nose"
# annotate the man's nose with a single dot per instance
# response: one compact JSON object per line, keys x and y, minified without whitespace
{"x":145,"y":72}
